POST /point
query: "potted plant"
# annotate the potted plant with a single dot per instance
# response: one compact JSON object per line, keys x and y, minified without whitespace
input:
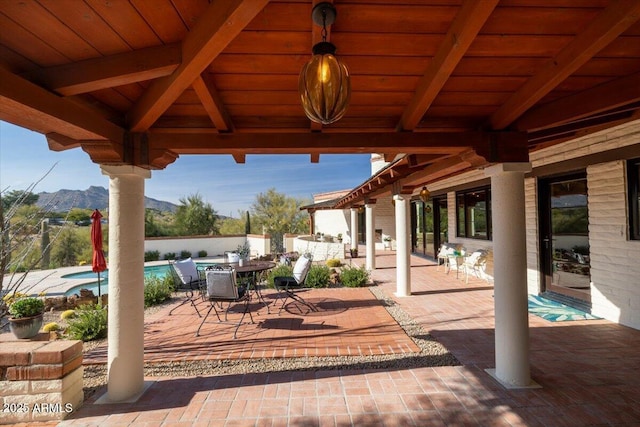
{"x":354,"y":252}
{"x":339,"y":237}
{"x":387,"y":242}
{"x":243,"y":253}
{"x":26,"y":317}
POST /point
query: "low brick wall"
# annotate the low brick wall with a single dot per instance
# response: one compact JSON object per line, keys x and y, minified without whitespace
{"x":39,"y":380}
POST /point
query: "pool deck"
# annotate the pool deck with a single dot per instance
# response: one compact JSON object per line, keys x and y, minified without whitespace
{"x":54,"y":283}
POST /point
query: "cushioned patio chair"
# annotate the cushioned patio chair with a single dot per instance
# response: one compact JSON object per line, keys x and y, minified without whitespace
{"x":290,"y":285}
{"x":187,"y":278}
{"x":221,"y":287}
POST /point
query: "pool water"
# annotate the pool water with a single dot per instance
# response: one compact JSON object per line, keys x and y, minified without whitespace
{"x":151,"y":270}
{"x":159,"y":271}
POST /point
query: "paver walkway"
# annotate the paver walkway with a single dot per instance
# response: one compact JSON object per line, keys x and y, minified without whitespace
{"x":589,"y":372}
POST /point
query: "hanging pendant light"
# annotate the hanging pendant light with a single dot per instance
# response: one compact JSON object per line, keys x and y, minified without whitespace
{"x":324,"y":84}
{"x":424,"y":194}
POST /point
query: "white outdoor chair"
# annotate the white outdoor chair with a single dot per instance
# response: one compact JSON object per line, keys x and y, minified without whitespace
{"x":475,"y":263}
{"x":221,"y":287}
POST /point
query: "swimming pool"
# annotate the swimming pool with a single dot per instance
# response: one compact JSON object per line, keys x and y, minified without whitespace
{"x":149,"y":270}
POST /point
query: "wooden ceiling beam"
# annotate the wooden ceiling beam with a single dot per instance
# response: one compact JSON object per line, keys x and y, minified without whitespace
{"x":239,"y":158}
{"x":498,"y":146}
{"x":465,"y":27}
{"x":110,"y":71}
{"x":215,"y":29}
{"x":612,"y":22}
{"x":32,"y":107}
{"x":208,"y":95}
{"x":617,"y":93}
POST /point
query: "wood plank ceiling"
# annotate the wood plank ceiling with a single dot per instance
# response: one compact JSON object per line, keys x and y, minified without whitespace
{"x":449,"y":84}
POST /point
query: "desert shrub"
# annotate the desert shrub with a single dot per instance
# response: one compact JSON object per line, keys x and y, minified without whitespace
{"x":333,"y":262}
{"x":318,"y":277}
{"x":67,"y":314}
{"x":157,"y":289}
{"x":280,"y":270}
{"x":185,"y":254}
{"x":170,"y":255}
{"x":89,"y":323}
{"x":202,"y":254}
{"x":354,"y":277}
{"x":151,"y":256}
{"x":51,"y":327}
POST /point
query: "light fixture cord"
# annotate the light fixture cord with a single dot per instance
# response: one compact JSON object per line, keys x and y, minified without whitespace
{"x":324,"y":25}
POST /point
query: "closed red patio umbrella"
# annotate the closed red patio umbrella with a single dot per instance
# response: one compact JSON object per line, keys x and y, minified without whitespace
{"x":98,"y":263}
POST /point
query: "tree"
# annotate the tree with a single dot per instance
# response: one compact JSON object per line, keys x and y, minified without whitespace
{"x":232,"y":226}
{"x":278,"y":214}
{"x":247,"y":225}
{"x":195,"y":217}
{"x":68,"y":249}
{"x":18,"y":197}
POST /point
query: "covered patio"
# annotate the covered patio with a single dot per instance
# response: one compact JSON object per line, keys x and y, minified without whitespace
{"x":441,"y":87}
{"x":586,"y":370}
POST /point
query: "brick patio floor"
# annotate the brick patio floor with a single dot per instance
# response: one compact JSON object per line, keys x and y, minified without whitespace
{"x":589,"y":370}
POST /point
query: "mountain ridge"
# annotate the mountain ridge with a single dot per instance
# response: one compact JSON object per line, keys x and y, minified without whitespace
{"x":94,"y":197}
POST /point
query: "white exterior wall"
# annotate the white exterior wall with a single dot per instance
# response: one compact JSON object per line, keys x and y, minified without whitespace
{"x":385,"y":221}
{"x":615,"y":270}
{"x":214,"y":245}
{"x":332,"y":222}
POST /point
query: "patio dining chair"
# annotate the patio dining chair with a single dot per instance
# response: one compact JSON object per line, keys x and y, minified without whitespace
{"x":188,"y":279}
{"x":290,"y":285}
{"x":221,"y":287}
{"x":475,"y":263}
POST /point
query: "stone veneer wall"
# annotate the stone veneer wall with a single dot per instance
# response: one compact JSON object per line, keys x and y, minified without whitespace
{"x":39,"y":380}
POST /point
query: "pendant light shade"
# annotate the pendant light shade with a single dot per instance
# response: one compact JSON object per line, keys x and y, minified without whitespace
{"x":424,"y":194}
{"x":324,"y":85}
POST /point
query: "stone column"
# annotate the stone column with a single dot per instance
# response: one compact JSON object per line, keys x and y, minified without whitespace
{"x":354,"y":228}
{"x":403,"y":245}
{"x":510,"y":274}
{"x":369,"y":210}
{"x":125,"y":355}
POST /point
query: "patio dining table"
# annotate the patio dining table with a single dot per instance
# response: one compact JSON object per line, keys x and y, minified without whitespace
{"x":248,"y":273}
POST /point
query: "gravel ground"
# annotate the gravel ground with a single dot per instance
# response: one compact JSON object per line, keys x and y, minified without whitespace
{"x":431,"y":353}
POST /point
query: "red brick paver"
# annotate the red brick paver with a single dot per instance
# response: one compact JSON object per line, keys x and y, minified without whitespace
{"x":588,"y":370}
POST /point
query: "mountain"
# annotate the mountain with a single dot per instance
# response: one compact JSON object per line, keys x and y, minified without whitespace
{"x":92,"y":198}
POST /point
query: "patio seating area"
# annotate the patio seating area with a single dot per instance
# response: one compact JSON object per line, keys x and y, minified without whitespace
{"x":587,"y":370}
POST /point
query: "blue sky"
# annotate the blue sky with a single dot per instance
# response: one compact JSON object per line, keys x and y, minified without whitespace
{"x":227,"y":186}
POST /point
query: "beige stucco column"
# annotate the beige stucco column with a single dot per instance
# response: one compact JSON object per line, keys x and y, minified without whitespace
{"x":403,"y":245}
{"x":370,"y":222}
{"x":510,"y":274}
{"x":354,"y":228}
{"x":125,"y":356}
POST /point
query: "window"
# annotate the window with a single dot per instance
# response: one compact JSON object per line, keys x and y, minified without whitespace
{"x":633,"y":175}
{"x":474,"y":213}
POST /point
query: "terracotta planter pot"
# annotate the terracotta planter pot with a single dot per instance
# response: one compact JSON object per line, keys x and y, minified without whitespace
{"x":25,"y":327}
